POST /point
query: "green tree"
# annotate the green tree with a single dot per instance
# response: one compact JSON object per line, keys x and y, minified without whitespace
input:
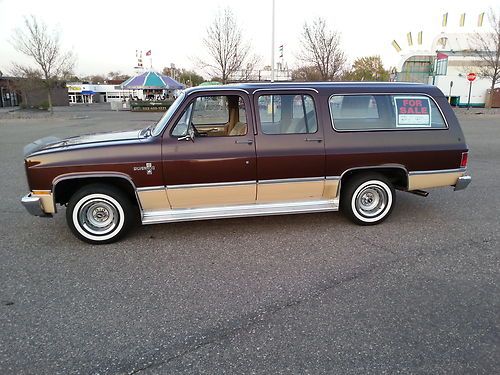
{"x":185,"y":76}
{"x":190,"y":78}
{"x":306,"y":74}
{"x":368,"y":68}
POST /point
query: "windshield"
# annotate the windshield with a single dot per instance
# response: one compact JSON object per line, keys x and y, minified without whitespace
{"x":166,"y":117}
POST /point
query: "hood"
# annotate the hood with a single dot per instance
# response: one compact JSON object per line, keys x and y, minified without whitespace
{"x":48,"y":143}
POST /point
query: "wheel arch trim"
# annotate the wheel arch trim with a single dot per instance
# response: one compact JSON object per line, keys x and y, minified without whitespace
{"x":373,"y":168}
{"x":82,"y":175}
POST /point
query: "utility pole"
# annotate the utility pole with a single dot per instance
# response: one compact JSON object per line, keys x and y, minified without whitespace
{"x":272,"y":45}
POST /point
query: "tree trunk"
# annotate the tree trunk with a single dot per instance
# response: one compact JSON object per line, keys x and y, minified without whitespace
{"x":49,"y":99}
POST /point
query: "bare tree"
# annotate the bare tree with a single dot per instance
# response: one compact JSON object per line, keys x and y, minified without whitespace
{"x":321,"y":48}
{"x":487,"y":48}
{"x":117,"y":76}
{"x":249,"y":71}
{"x":226,"y":47}
{"x":35,"y":41}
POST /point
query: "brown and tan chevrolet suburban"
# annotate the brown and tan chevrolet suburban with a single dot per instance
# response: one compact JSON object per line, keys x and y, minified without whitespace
{"x":254,"y":149}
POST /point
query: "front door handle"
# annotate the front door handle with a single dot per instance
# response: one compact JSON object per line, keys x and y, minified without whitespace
{"x":313,"y":140}
{"x":245,"y":142}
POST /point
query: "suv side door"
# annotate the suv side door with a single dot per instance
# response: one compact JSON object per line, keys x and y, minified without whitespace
{"x":290,"y":146}
{"x":217,"y":167}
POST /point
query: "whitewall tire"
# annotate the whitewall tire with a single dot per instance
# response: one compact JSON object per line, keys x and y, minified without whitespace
{"x":367,"y":199}
{"x":99,"y":214}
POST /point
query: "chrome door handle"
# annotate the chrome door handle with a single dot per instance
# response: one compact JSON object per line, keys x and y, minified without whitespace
{"x":313,"y":140}
{"x":245,"y":142}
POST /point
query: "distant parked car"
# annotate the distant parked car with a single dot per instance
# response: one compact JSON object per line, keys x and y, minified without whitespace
{"x":256,"y":149}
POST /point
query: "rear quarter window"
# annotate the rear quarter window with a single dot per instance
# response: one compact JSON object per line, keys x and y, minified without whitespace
{"x":384,"y":112}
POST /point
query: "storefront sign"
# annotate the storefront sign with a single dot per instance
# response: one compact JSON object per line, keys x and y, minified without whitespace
{"x":412,"y":111}
{"x":74,"y":88}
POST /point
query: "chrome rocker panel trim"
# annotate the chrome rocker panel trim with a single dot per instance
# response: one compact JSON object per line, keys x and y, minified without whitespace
{"x":33,"y":205}
{"x":186,"y":214}
{"x":462,"y":183}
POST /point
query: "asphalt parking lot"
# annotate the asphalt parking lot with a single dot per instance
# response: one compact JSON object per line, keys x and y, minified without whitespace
{"x":300,"y":294}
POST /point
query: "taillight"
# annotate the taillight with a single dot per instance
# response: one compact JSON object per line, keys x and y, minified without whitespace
{"x":463,"y":161}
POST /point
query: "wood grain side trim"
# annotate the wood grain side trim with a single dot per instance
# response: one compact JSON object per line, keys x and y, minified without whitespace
{"x":211,"y":196}
{"x":432,"y":179}
{"x":153,"y":199}
{"x":281,"y":191}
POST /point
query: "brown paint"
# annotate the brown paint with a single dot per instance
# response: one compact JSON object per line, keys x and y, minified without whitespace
{"x":223,"y":159}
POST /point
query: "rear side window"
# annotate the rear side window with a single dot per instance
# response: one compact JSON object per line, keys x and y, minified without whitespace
{"x":384,"y":112}
{"x":287,"y":114}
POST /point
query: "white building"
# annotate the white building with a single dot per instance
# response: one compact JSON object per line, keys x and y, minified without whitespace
{"x":445,"y":62}
{"x":96,"y":93}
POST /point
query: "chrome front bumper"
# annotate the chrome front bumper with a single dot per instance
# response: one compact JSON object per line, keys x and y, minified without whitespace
{"x":462,"y":182}
{"x":33,"y":205}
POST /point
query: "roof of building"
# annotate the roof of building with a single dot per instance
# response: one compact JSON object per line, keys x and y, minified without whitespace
{"x":151,"y":80}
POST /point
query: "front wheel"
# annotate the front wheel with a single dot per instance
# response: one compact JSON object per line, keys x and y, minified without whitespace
{"x":99,"y":214}
{"x":368,"y":199}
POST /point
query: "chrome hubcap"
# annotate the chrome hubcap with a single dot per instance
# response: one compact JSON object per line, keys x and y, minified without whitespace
{"x":371,"y":201}
{"x":98,"y":216}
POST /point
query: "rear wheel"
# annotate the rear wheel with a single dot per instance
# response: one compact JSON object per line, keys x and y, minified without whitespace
{"x":99,"y":214}
{"x":368,"y":198}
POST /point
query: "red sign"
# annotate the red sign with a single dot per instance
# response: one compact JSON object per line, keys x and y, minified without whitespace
{"x":471,"y":76}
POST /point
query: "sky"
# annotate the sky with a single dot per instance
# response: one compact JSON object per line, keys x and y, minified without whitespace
{"x":104,"y":35}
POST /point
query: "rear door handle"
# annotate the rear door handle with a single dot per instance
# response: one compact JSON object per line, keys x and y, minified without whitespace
{"x":313,"y":140}
{"x":245,"y":142}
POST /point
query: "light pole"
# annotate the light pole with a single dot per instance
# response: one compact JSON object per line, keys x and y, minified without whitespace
{"x":449,"y":95}
{"x":272,"y":45}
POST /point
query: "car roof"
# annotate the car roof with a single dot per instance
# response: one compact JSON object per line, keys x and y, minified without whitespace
{"x":351,"y":87}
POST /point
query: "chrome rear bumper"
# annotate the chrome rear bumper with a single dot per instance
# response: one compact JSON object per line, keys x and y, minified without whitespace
{"x":33,"y":205}
{"x":462,"y":182}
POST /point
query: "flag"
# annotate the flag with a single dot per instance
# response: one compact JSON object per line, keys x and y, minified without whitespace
{"x":148,"y":53}
{"x":441,"y":63}
{"x":442,"y":56}
{"x":281,"y":50}
{"x":420,"y":37}
{"x":462,"y":20}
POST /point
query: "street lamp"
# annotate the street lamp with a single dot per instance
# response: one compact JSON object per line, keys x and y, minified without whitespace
{"x":272,"y":44}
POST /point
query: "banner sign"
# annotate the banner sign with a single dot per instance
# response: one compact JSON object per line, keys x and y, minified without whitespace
{"x":412,"y":111}
{"x":74,"y":88}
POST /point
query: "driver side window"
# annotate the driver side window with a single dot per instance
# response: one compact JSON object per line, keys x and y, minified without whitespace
{"x":214,"y":116}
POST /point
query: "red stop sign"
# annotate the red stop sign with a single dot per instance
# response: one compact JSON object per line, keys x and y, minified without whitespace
{"x":471,"y":76}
